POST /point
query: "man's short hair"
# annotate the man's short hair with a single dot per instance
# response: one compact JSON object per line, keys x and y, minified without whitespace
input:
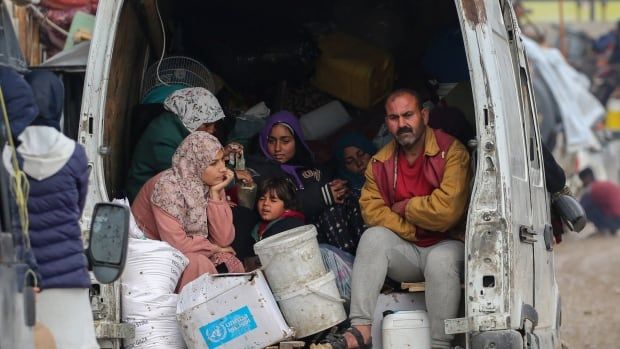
{"x":404,"y":91}
{"x":586,"y":173}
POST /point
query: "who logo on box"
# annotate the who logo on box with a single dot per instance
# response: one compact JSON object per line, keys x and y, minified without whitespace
{"x":227,"y":328}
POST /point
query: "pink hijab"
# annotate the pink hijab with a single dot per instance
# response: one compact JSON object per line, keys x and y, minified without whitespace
{"x":179,"y":191}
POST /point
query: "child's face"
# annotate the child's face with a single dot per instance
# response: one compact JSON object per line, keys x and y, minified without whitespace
{"x":270,"y":207}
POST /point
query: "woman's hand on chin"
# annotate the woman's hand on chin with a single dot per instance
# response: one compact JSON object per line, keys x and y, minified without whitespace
{"x":216,"y":191}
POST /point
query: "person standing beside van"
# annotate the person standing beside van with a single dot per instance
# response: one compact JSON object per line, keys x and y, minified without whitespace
{"x":57,"y":170}
{"x":186,"y":206}
{"x":416,"y":192}
{"x":21,"y":110}
{"x":189,"y":109}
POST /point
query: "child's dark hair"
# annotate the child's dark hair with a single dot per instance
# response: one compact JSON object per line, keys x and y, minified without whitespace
{"x":283,"y":188}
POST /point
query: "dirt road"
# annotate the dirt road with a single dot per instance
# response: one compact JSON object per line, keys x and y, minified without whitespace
{"x":589,"y":280}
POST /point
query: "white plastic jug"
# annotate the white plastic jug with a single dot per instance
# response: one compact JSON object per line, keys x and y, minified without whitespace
{"x":407,"y":329}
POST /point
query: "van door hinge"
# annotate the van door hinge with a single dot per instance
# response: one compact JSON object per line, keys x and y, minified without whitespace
{"x":477,"y":323}
{"x":458,"y":325}
{"x":527,"y":234}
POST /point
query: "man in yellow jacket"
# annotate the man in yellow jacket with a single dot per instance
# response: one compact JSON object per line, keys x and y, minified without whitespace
{"x":416,"y":192}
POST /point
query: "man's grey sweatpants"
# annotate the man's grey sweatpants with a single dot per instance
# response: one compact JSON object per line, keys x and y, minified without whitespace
{"x":382,"y":252}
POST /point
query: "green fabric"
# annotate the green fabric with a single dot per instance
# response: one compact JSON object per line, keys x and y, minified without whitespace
{"x":154,"y":151}
{"x":160,"y":93}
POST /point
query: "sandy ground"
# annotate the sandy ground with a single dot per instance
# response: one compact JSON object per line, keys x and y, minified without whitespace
{"x":588,"y":274}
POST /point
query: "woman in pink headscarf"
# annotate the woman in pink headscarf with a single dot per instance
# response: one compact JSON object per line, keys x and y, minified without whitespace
{"x":186,"y":206}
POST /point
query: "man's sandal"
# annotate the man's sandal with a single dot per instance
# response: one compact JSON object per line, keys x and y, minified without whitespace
{"x":338,"y":340}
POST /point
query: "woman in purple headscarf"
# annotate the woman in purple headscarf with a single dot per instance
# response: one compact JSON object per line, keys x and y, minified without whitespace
{"x":286,"y":154}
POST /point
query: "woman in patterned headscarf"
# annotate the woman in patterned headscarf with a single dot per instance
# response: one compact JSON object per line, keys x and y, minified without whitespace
{"x":188,"y":110}
{"x":186,"y":206}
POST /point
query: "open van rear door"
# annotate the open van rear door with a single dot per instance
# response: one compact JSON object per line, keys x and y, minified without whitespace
{"x":508,"y":207}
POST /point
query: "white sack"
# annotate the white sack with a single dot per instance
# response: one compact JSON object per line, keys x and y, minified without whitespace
{"x":153,"y":265}
{"x":134,"y":231}
{"x":155,"y":334}
{"x":143,"y":305}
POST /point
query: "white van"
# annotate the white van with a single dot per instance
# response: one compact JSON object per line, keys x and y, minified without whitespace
{"x":511,"y":295}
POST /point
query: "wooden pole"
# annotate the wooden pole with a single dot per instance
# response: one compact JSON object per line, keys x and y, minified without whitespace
{"x":22,"y":30}
{"x":562,"y":28}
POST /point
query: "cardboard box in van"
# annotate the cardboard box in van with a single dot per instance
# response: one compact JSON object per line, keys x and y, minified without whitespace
{"x":230,"y":311}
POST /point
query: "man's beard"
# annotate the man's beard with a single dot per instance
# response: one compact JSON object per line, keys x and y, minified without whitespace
{"x":407,"y":138}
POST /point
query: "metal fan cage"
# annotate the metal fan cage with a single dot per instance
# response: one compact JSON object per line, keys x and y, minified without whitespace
{"x":178,"y":70}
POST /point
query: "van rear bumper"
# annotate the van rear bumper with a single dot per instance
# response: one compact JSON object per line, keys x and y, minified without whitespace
{"x":504,"y":339}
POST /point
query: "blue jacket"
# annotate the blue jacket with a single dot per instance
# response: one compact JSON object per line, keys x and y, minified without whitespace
{"x":20,"y":103}
{"x":57,"y":169}
{"x":22,"y":110}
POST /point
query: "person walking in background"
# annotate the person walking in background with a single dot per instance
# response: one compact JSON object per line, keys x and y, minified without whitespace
{"x":601,"y":202}
{"x":57,"y":171}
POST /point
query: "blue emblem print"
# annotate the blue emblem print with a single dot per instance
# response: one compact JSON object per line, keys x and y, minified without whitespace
{"x":227,"y":328}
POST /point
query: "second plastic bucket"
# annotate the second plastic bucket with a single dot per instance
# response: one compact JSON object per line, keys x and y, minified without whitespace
{"x":313,"y":307}
{"x":291,"y":259}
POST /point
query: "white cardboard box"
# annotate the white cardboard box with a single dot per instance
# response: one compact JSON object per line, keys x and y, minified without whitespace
{"x":232,"y":311}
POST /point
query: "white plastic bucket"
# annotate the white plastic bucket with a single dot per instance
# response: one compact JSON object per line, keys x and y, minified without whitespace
{"x":291,"y":259}
{"x":313,"y":307}
{"x":406,"y":329}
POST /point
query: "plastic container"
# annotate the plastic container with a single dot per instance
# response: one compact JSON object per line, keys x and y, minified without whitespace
{"x":406,"y":329}
{"x":291,"y":259}
{"x":393,"y":302}
{"x":612,"y":121}
{"x":353,"y":70}
{"x":313,"y":307}
{"x":322,"y":122}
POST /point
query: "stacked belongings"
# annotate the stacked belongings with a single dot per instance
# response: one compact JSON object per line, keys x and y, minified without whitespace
{"x":254,"y":56}
{"x":151,"y":273}
{"x":62,"y":14}
{"x":352,"y":70}
{"x":306,"y":292}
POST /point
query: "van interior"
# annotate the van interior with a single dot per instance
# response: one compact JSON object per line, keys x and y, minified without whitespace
{"x":272,"y":51}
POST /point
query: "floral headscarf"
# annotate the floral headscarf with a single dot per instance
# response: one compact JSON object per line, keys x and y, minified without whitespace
{"x":179,"y":191}
{"x":194,"y":106}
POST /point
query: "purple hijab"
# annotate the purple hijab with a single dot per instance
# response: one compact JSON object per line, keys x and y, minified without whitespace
{"x":299,"y":160}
